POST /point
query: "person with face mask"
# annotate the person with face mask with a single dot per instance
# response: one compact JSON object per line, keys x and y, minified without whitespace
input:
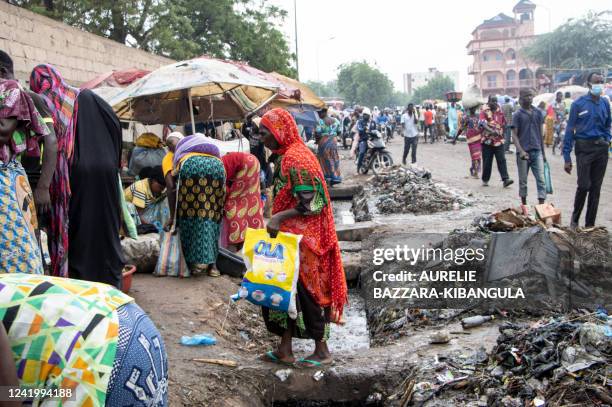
{"x":588,"y":127}
{"x":527,"y":136}
{"x":492,"y":122}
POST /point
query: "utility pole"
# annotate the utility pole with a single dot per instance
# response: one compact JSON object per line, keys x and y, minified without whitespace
{"x":297,"y":55}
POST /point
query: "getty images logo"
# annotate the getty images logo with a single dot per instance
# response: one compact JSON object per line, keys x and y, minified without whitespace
{"x":265,"y":249}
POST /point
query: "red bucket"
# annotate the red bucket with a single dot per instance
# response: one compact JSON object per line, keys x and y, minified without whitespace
{"x":128,"y":271}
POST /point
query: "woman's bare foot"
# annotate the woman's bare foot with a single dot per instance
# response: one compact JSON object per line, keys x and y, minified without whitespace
{"x":320,"y":356}
{"x":277,"y":356}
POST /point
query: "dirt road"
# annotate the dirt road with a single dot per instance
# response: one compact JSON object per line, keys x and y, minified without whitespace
{"x":449,"y":164}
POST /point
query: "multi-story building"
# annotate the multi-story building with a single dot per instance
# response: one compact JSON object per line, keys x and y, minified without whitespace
{"x":415,"y":80}
{"x":499,"y":66}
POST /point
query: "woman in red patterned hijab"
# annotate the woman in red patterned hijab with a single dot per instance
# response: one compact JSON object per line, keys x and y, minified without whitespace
{"x":301,"y":205}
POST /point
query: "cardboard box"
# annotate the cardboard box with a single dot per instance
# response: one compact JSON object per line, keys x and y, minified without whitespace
{"x":548,"y":213}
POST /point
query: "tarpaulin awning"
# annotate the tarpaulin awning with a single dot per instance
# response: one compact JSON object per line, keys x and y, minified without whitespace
{"x":117,"y":79}
{"x":307,"y":96}
{"x":218,"y":90}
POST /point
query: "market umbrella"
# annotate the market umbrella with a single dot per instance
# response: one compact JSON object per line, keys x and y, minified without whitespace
{"x":547,"y":98}
{"x":199,"y":89}
{"x":575,"y":90}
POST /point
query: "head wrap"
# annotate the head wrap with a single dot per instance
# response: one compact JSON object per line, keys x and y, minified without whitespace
{"x":197,"y":143}
{"x":62,"y":100}
{"x":283,"y":127}
{"x":175,"y":135}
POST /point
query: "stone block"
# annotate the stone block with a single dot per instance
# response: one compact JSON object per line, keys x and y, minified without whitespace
{"x":356,"y":232}
{"x":15,"y":50}
{"x":352,"y":265}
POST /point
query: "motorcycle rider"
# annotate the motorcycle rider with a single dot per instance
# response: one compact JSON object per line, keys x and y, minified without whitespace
{"x":365,"y":126}
{"x":383,"y":121}
{"x":346,"y":128}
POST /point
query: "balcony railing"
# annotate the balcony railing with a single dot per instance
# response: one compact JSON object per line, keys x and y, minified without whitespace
{"x":511,"y":84}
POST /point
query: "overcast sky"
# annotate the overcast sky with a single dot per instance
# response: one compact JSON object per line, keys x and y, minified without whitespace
{"x":402,"y":36}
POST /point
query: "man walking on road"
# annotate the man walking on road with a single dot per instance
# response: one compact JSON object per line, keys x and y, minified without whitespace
{"x":492,"y":122}
{"x":428,"y":125}
{"x":589,"y":127}
{"x":527,"y":125}
{"x":507,"y":109}
{"x":411,"y":133}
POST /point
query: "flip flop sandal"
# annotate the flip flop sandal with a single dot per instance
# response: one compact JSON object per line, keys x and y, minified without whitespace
{"x":214,"y":273}
{"x":269,"y":356}
{"x":308,"y":363}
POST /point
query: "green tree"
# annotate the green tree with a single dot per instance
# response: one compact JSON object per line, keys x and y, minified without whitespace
{"x":399,"y":99}
{"x":236,"y":29}
{"x":360,"y":83}
{"x":436,"y":88}
{"x":323,"y":89}
{"x":579,"y":43}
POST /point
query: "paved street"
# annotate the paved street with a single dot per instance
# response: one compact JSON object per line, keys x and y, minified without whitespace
{"x":449,"y":164}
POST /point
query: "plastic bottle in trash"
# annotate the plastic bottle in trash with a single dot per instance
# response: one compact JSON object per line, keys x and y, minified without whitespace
{"x":204,"y":340}
{"x":472,"y":322}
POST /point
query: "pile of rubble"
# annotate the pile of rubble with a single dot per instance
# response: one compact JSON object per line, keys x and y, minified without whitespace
{"x":562,"y":362}
{"x":411,"y":190}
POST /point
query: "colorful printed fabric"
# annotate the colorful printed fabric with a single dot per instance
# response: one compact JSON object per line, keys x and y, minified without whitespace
{"x":62,"y":101}
{"x":15,"y":103}
{"x":243,"y":206}
{"x":139,"y":194}
{"x":19,"y":248}
{"x":549,"y":126}
{"x":329,"y":159}
{"x":312,"y":322}
{"x":63,"y":333}
{"x":201,"y":197}
{"x":496,"y":121}
{"x":300,"y":172}
{"x":140,"y":370}
{"x":473,"y":134}
{"x":197,"y":143}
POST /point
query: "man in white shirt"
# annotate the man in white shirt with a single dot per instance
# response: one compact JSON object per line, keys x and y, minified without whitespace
{"x":411,"y":133}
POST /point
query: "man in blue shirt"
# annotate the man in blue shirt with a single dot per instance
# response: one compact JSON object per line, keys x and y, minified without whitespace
{"x":588,"y":127}
{"x":527,"y":132}
{"x":383,"y":118}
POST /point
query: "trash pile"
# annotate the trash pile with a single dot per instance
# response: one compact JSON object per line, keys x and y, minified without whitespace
{"x":562,"y":362}
{"x":411,"y":190}
{"x":361,"y":208}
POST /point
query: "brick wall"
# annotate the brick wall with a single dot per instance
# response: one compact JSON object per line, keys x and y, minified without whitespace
{"x":31,"y":39}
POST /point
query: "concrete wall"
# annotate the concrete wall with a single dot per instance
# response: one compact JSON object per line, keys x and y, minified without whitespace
{"x":31,"y":39}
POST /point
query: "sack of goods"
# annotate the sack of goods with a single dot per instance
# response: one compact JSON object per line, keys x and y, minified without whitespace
{"x":272,"y":270}
{"x":472,"y":97}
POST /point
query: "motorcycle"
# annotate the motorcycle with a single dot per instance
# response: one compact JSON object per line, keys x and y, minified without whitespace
{"x":387,"y":131}
{"x":347,"y":138}
{"x":377,"y":157}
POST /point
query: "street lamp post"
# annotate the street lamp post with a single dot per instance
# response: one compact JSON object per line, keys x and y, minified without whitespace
{"x":297,"y":55}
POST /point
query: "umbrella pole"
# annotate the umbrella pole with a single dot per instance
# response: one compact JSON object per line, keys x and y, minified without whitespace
{"x":193,"y":129}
